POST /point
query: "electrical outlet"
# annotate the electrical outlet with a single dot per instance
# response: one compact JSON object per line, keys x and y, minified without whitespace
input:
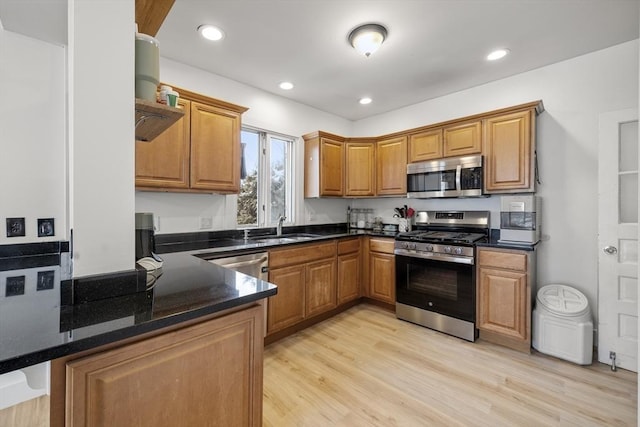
{"x":14,"y":286}
{"x":15,"y":227}
{"x":206,"y":222}
{"x":45,"y":280}
{"x":46,"y":227}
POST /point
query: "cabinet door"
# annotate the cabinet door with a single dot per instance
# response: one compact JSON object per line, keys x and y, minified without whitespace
{"x":287,"y":307}
{"x":348,"y":277}
{"x":189,"y":377}
{"x":331,"y":167}
{"x":502,"y":302}
{"x":391,"y":166}
{"x":164,"y":162}
{"x":509,"y":153}
{"x":320,"y":286}
{"x":215,"y":149}
{"x":425,"y":146}
{"x":382,"y":277}
{"x":463,"y":139}
{"x":360,"y":169}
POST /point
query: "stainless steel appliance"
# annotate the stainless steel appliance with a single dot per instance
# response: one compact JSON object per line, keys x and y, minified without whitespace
{"x":254,"y":265}
{"x":450,"y":177}
{"x":435,"y":273}
{"x":146,"y":242}
{"x":520,"y":219}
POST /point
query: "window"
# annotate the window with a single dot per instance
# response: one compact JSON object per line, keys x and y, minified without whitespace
{"x":266,"y":184}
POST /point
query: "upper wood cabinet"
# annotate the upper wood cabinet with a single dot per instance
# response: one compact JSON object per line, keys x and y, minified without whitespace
{"x":391,"y":166}
{"x":215,"y":148}
{"x":463,"y":139}
{"x":425,"y":146}
{"x":199,"y":153}
{"x":164,"y":163}
{"x":509,"y":152}
{"x":323,"y":165}
{"x":360,"y":168}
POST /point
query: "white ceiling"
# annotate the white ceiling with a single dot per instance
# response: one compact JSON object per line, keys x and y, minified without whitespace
{"x":434,"y":47}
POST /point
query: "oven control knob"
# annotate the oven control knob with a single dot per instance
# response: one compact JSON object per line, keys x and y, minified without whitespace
{"x":447,"y":249}
{"x":412,"y":246}
{"x":428,"y":248}
{"x":457,"y":251}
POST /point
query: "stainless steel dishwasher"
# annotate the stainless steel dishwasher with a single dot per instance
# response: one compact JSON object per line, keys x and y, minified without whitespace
{"x":255,"y":265}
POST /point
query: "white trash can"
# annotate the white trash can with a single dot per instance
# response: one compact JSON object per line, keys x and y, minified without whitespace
{"x":562,"y":324}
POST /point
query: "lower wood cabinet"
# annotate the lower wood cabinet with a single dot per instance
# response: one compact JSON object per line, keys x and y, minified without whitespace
{"x":382,"y":270}
{"x":503,"y":312}
{"x":209,"y":373}
{"x":306,"y":280}
{"x":349,"y":270}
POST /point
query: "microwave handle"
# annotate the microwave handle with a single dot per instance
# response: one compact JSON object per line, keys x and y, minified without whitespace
{"x":458,"y":174}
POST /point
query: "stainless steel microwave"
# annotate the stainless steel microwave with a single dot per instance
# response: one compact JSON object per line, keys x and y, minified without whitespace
{"x":450,"y":177}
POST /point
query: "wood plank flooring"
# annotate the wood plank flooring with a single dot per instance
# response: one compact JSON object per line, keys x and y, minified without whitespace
{"x":364,"y":367}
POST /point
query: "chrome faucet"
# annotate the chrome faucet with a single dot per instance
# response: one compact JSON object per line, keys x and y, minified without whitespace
{"x":281,"y":219}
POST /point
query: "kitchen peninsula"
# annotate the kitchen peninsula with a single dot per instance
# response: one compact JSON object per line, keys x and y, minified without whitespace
{"x":196,"y":332}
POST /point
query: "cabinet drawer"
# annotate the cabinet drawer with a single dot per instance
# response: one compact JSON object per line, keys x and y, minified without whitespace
{"x":381,"y":245}
{"x":300,"y":254}
{"x":348,"y":246}
{"x":503,"y":259}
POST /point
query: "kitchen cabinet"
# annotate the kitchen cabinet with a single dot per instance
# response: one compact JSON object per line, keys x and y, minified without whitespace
{"x":503,"y":311}
{"x":360,"y":168}
{"x":349,"y":270}
{"x":391,"y":166}
{"x":462,"y":139}
{"x":510,"y":152}
{"x":199,"y":153}
{"x":306,"y":280}
{"x":210,"y":370}
{"x":425,"y":146}
{"x":323,"y":165}
{"x":381,"y":270}
{"x":164,"y":163}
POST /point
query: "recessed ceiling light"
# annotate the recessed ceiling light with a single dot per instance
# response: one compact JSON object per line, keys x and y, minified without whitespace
{"x":497,"y":54}
{"x":210,"y":32}
{"x":365,"y":101}
{"x":286,"y":85}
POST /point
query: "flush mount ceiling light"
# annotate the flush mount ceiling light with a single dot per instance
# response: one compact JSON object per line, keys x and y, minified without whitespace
{"x":210,"y":32}
{"x":286,"y":85}
{"x":365,"y":101}
{"x":367,"y":38}
{"x":497,"y":54}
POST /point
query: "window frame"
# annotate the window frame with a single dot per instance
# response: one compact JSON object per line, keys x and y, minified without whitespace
{"x":264,"y":177}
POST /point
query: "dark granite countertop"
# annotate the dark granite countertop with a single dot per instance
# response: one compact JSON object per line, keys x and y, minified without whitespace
{"x":36,"y":324}
{"x":36,"y":327}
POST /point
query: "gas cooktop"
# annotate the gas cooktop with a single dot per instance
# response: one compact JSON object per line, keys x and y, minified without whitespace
{"x":441,"y":237}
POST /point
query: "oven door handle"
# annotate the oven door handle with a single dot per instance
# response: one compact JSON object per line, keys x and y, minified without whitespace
{"x":435,"y":257}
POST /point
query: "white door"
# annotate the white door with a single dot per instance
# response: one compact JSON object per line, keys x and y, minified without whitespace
{"x":618,"y":239}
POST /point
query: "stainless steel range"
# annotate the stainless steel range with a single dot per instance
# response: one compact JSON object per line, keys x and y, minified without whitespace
{"x":435,"y":273}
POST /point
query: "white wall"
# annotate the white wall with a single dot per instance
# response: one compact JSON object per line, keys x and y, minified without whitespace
{"x":574,"y":93}
{"x":181,"y":212}
{"x":101,"y":135}
{"x":32,"y":135}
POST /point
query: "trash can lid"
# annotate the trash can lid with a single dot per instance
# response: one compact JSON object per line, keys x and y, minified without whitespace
{"x":563,"y":300}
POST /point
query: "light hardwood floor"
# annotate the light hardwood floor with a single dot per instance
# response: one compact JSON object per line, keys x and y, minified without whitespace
{"x":366,"y":368}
